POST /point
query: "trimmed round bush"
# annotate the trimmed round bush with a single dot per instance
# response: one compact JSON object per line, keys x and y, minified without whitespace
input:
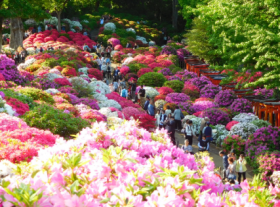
{"x":176,"y":85}
{"x":241,"y":105}
{"x":203,"y":105}
{"x":200,"y":82}
{"x":216,"y":116}
{"x":165,"y":90}
{"x":177,"y":98}
{"x":37,"y":94}
{"x":225,"y":98}
{"x":152,"y":79}
{"x":135,"y":67}
{"x":209,"y":91}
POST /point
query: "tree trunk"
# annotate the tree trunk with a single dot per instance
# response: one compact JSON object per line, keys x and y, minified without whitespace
{"x":17,"y":32}
{"x":174,"y":13}
{"x":1,"y":21}
{"x":59,"y":21}
{"x":96,"y":6}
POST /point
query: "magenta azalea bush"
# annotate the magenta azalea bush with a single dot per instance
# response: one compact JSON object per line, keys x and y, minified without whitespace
{"x":177,"y":98}
{"x":165,"y":71}
{"x":266,"y":93}
{"x":209,"y":91}
{"x":225,"y":98}
{"x":216,"y":116}
{"x":186,"y":75}
{"x":241,"y":105}
{"x":186,"y":106}
{"x":200,"y":82}
{"x":203,"y":105}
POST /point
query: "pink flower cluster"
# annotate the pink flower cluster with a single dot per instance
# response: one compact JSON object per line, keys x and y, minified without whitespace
{"x":177,"y":98}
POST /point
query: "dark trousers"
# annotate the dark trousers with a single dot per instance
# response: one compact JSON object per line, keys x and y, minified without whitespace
{"x":172,"y":136}
{"x":160,"y":126}
{"x":241,"y":174}
{"x":109,"y":74}
{"x":178,"y":124}
{"x":104,"y":74}
{"x":190,"y":138}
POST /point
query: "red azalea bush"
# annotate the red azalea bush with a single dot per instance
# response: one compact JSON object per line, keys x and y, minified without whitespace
{"x":197,"y":114}
{"x":165,"y":90}
{"x":231,"y":124}
{"x":69,"y":72}
{"x":121,"y":100}
{"x":146,"y":121}
{"x":18,"y":106}
{"x":160,"y":97}
{"x":142,"y":71}
{"x":96,"y":73}
{"x":124,"y":70}
{"x":131,"y":112}
{"x":63,"y":81}
{"x":191,"y":90}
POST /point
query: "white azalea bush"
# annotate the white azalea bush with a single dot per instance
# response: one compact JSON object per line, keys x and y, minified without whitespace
{"x":219,"y":134}
{"x":5,"y":108}
{"x":99,"y":97}
{"x":52,"y":21}
{"x":110,"y":26}
{"x":109,"y":103}
{"x":85,"y":21}
{"x":52,"y":91}
{"x":76,"y":24}
{"x":142,"y":39}
{"x":52,"y":76}
{"x":68,"y":21}
{"x":6,"y":168}
{"x":99,"y":87}
{"x":83,"y":70}
{"x":243,"y":129}
{"x":30,"y":22}
{"x":108,"y":113}
{"x":245,"y":117}
{"x":114,"y":121}
{"x":131,"y":30}
{"x":152,"y":43}
{"x":151,"y":92}
{"x":159,"y":103}
{"x":27,"y":63}
{"x":127,"y":61}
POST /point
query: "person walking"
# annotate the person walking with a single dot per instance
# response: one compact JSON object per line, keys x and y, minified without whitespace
{"x":241,"y":168}
{"x":202,"y":125}
{"x":17,"y":57}
{"x":141,"y":94}
{"x":147,"y":103}
{"x":23,"y":55}
{"x":151,"y":109}
{"x":207,"y":131}
{"x":187,"y":148}
{"x":99,"y":63}
{"x":178,"y":115}
{"x":109,"y":71}
{"x":116,"y":85}
{"x":189,"y":132}
{"x":124,"y":92}
{"x":116,"y":72}
{"x":162,"y":118}
{"x":104,"y":69}
{"x":133,"y":89}
{"x":225,"y":163}
{"x":203,"y":145}
{"x":231,"y":169}
{"x":170,"y":126}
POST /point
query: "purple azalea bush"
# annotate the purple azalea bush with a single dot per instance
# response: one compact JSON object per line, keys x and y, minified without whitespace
{"x":209,"y":91}
{"x":241,"y":105}
{"x":216,"y":116}
{"x":203,"y":105}
{"x":186,"y":75}
{"x":165,"y":71}
{"x":168,"y":50}
{"x":87,"y":101}
{"x":200,"y":82}
{"x":186,"y":106}
{"x":267,"y":93}
{"x":177,"y":98}
{"x":225,"y":98}
{"x":174,"y":78}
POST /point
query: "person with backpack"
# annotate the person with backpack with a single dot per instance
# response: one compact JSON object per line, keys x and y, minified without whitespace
{"x":207,"y":131}
{"x":124,"y":92}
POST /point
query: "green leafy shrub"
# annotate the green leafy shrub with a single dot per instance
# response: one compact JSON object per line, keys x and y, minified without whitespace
{"x":156,"y":69}
{"x":50,"y":63}
{"x":135,"y":67}
{"x":37,"y":94}
{"x":234,"y":142}
{"x":23,"y":98}
{"x":55,"y":120}
{"x":174,"y":59}
{"x":176,"y":85}
{"x":82,"y":88}
{"x":152,"y":79}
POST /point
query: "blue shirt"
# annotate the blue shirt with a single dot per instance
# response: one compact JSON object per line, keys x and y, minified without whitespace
{"x":108,"y":60}
{"x":162,"y":118}
{"x":85,"y":47}
{"x":146,"y":105}
{"x":116,"y":72}
{"x":116,"y":85}
{"x":151,"y":110}
{"x":177,"y":114}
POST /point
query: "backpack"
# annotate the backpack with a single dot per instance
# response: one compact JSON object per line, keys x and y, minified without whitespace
{"x":124,"y":93}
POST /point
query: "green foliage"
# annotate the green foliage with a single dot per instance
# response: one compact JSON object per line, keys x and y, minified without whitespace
{"x":81,"y":88}
{"x":37,"y":94}
{"x":51,"y":62}
{"x":261,"y":123}
{"x":174,"y":59}
{"x":135,"y":67}
{"x":234,"y":142}
{"x":55,"y":120}
{"x":152,"y":79}
{"x":175,"y":69}
{"x":23,"y":98}
{"x":176,"y":85}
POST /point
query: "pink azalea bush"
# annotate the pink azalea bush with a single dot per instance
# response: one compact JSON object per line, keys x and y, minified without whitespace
{"x":231,"y":124}
{"x":165,"y":90}
{"x":203,"y":105}
{"x":177,"y":98}
{"x":131,"y":111}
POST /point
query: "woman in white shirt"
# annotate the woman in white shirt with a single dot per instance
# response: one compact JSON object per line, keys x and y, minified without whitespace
{"x":189,"y":132}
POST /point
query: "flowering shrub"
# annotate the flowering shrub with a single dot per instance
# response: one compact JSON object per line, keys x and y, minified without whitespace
{"x":225,"y":98}
{"x":143,"y":71}
{"x":261,"y":123}
{"x":241,"y":105}
{"x":245,"y":117}
{"x":37,"y":94}
{"x":67,"y":89}
{"x":171,"y":105}
{"x":69,"y":72}
{"x":243,"y":129}
{"x":168,"y":50}
{"x":160,"y":103}
{"x":186,"y":106}
{"x":176,"y":85}
{"x":165,"y":71}
{"x":203,"y":105}
{"x":266,"y":93}
{"x":165,"y":90}
{"x":234,"y":142}
{"x":209,"y":91}
{"x":62,"y":81}
{"x":191,"y":90}
{"x":216,"y":116}
{"x":174,"y":78}
{"x":18,"y":106}
{"x":10,"y":123}
{"x":146,"y":121}
{"x":177,"y":98}
{"x":160,"y":97}
{"x":151,"y":92}
{"x":131,"y":112}
{"x":124,"y":70}
{"x":151,"y":79}
{"x":268,"y":162}
{"x":231,"y":124}
{"x":200,"y":82}
{"x":113,"y":41}
{"x":186,"y":75}
{"x":122,"y":101}
{"x":93,"y":72}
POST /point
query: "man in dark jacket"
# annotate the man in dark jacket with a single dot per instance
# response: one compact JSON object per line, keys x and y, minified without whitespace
{"x":225,"y":163}
{"x":146,"y":103}
{"x":170,"y":127}
{"x":142,"y":93}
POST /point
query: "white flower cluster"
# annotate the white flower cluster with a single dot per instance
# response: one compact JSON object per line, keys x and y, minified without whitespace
{"x":219,"y":134}
{"x":73,"y":30}
{"x":52,"y":76}
{"x":30,"y":22}
{"x":72,"y":49}
{"x":109,"y":103}
{"x":85,"y":21}
{"x":83,"y":70}
{"x":52,"y":91}
{"x":160,"y":103}
{"x":27,"y":63}
{"x":76,"y":24}
{"x":143,"y":39}
{"x":127,"y":60}
{"x":152,"y":43}
{"x":245,"y":117}
{"x":30,"y":51}
{"x":107,"y":112}
{"x":243,"y":129}
{"x":99,"y":97}
{"x":131,"y":30}
{"x":151,"y":92}
{"x":99,"y":87}
{"x":9,"y":50}
{"x":5,"y":107}
{"x":6,"y":168}
{"x":110,"y":26}
{"x":275,"y":177}
{"x":114,"y":121}
{"x":52,"y":21}
{"x":68,"y":21}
